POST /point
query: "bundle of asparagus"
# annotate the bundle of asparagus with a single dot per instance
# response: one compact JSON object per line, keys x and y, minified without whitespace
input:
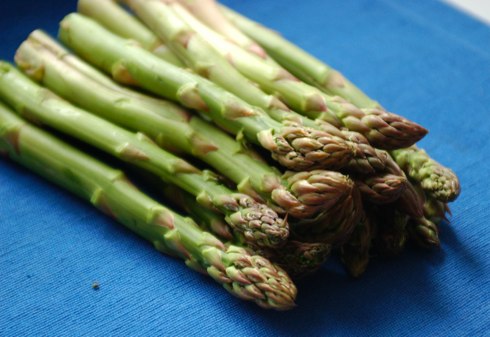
{"x":183,"y":81}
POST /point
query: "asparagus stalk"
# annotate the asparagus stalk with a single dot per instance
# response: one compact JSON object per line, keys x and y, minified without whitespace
{"x":297,"y":194}
{"x":120,"y":22}
{"x":246,"y":276}
{"x":257,"y":222}
{"x":207,"y":219}
{"x":438,"y":181}
{"x":299,"y":62}
{"x":197,"y":54}
{"x":423,"y":230}
{"x":435,"y":210}
{"x":364,"y":158}
{"x":424,"y":233}
{"x":336,"y":226}
{"x":208,"y":12}
{"x":410,"y":202}
{"x":355,"y":253}
{"x":159,"y":106}
{"x":381,"y":188}
{"x":391,"y":234}
{"x":298,"y":259}
{"x":383,"y":129}
{"x":115,"y":18}
{"x":292,"y":146}
{"x":412,"y":219}
{"x":170,"y":28}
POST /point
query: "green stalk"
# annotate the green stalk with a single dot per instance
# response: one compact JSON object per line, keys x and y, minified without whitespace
{"x":201,"y":57}
{"x":336,"y":226}
{"x":435,"y":210}
{"x":299,"y":62}
{"x":410,"y":218}
{"x":365,"y":158}
{"x":297,"y":194}
{"x":197,"y":52}
{"x":391,"y":234}
{"x":246,"y":276}
{"x":257,"y":221}
{"x":208,"y":12}
{"x":160,"y":106}
{"x":424,"y":233}
{"x":382,"y":188}
{"x":438,"y":181}
{"x":355,"y":252}
{"x":293,"y":146}
{"x":298,"y":259}
{"x":207,"y":219}
{"x":411,"y":201}
{"x":384,"y":130}
{"x":109,"y":14}
{"x":423,"y":230}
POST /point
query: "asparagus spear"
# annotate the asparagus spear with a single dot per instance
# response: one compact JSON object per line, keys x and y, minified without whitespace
{"x":165,"y":22}
{"x":292,"y":146}
{"x":410,"y":202}
{"x":208,"y":12}
{"x":423,"y":230}
{"x":207,"y":219}
{"x":298,"y":259}
{"x":381,"y":188}
{"x":299,"y":62}
{"x":246,"y":276}
{"x":336,"y":226}
{"x":115,"y":18}
{"x":297,"y":194}
{"x":424,"y":233}
{"x":383,"y":129}
{"x":364,"y":158}
{"x":120,"y":22}
{"x":355,"y":253}
{"x":197,"y":54}
{"x":435,"y":210}
{"x":438,"y":181}
{"x":257,"y":222}
{"x":411,"y":219}
{"x":391,"y":231}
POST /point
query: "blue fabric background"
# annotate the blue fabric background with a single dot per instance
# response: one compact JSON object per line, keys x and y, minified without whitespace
{"x":419,"y":58}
